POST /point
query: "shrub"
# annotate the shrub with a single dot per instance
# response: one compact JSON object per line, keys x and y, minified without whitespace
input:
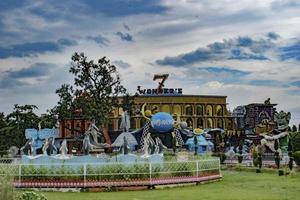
{"x":296,"y":156}
{"x":6,"y":187}
{"x":31,"y":196}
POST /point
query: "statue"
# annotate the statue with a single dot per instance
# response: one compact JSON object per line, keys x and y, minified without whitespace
{"x":267,"y":101}
{"x":49,"y":147}
{"x":125,"y":148}
{"x":282,"y":120}
{"x":159,"y":147}
{"x":149,"y":115}
{"x":27,"y":149}
{"x":149,"y":146}
{"x":64,"y":148}
{"x":87,"y":146}
{"x":125,"y":121}
{"x":94,"y":133}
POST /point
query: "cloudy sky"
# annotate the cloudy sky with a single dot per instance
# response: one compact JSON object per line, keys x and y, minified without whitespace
{"x":247,"y":50}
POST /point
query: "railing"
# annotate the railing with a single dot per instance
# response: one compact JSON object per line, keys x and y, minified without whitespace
{"x":112,"y":174}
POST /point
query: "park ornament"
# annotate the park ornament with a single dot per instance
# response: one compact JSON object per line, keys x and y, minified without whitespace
{"x":282,"y":120}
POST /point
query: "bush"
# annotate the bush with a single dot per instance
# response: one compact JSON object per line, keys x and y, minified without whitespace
{"x":31,"y":196}
{"x":6,"y":187}
{"x":296,"y":156}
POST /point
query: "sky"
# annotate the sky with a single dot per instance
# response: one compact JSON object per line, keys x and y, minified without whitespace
{"x":248,"y":50}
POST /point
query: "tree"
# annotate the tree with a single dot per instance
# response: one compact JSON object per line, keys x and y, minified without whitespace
{"x":294,"y":128}
{"x":65,"y":106}
{"x":96,"y":89}
{"x":21,"y":118}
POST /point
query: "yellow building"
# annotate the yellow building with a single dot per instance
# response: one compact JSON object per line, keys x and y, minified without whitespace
{"x":199,"y":111}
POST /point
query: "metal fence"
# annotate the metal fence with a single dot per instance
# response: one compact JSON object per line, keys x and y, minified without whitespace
{"x":111,"y":174}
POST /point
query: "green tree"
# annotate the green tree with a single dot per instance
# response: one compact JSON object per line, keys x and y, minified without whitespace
{"x":65,"y":105}
{"x":97,"y":87}
{"x":294,"y":128}
{"x":21,"y":118}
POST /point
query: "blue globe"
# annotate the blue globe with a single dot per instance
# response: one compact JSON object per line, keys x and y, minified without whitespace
{"x":162,"y":122}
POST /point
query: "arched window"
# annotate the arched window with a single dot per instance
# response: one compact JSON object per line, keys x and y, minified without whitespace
{"x":200,"y":123}
{"x":209,"y":110}
{"x":188,"y":110}
{"x":219,"y":110}
{"x":166,"y":108}
{"x":177,"y":109}
{"x":199,"y":110}
{"x":189,"y":122}
{"x":210,"y":123}
{"x":220,"y":123}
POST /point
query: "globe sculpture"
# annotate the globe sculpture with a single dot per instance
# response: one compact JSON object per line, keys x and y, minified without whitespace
{"x":162,"y":122}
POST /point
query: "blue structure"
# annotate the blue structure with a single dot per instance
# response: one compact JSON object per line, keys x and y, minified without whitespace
{"x":204,"y":145}
{"x":162,"y":122}
{"x":38,"y":137}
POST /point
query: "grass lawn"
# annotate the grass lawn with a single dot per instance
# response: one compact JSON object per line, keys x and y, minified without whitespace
{"x":234,"y":185}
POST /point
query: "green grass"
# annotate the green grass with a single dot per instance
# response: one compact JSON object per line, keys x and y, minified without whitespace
{"x":234,"y":186}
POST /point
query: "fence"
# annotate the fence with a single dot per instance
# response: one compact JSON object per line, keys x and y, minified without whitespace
{"x":112,"y":174}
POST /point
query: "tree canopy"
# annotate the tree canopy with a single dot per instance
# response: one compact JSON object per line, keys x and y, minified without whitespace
{"x":94,"y":93}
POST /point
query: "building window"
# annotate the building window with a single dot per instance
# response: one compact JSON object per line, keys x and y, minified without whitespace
{"x":189,"y":122}
{"x":219,"y":110}
{"x":199,"y":110}
{"x":188,"y":110}
{"x":200,"y":123}
{"x":177,"y":109}
{"x":210,"y":123}
{"x":209,"y":110}
{"x":220,"y":123}
{"x":166,"y":108}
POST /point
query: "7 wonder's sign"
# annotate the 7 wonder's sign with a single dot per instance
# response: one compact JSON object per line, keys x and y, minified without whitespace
{"x":160,"y":89}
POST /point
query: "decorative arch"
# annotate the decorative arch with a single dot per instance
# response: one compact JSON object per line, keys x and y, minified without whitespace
{"x":177,"y":109}
{"x":220,"y":123}
{"x":210,"y":123}
{"x":188,"y":110}
{"x":200,"y":123}
{"x":209,"y":110}
{"x":199,"y":110}
{"x":219,"y":110}
{"x":166,"y":108}
{"x":189,"y":122}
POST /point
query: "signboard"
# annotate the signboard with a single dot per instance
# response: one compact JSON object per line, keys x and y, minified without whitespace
{"x":160,"y":90}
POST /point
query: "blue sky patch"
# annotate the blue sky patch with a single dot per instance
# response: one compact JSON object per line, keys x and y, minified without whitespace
{"x":291,"y":52}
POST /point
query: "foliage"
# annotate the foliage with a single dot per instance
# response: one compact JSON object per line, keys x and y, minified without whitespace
{"x":97,"y":87}
{"x":21,"y":118}
{"x":65,"y":107}
{"x":6,"y":187}
{"x":116,"y":171}
{"x":296,"y":156}
{"x":12,"y":126}
{"x":294,"y":128}
{"x":31,"y":196}
{"x":294,"y":138}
